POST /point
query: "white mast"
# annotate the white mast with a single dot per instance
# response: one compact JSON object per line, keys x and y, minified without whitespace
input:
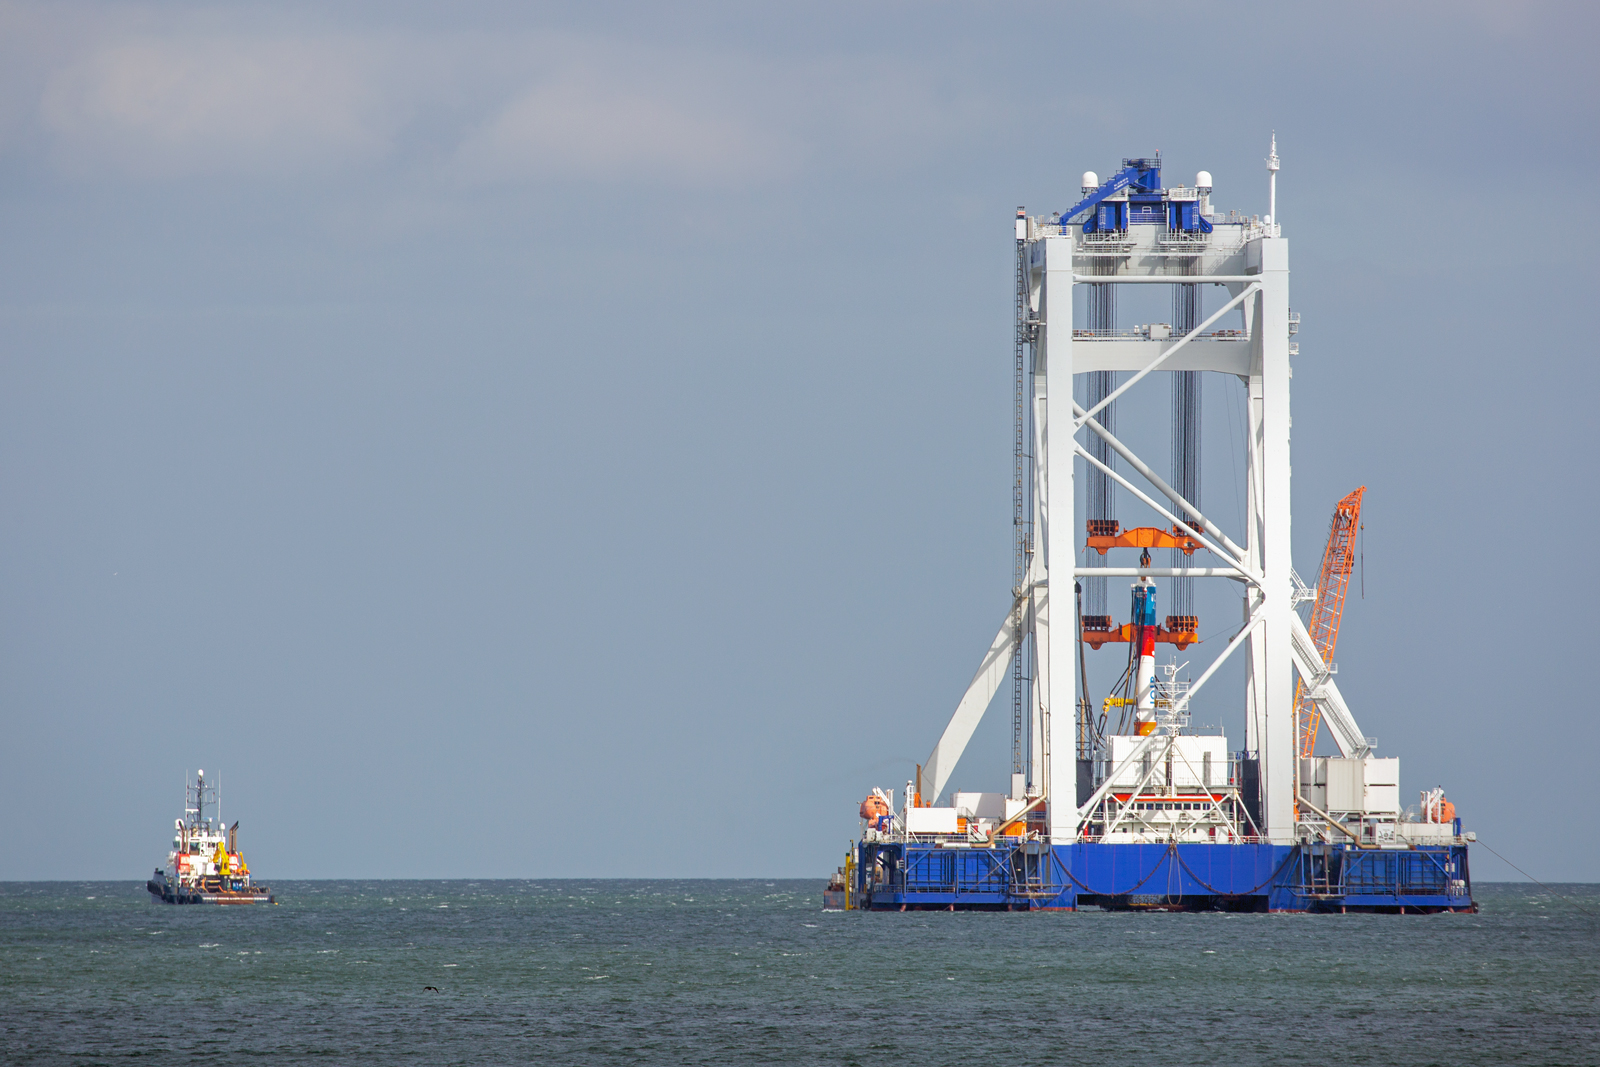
{"x":1272,"y":182}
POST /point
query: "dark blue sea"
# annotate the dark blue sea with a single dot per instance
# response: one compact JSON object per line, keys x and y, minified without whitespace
{"x":741,"y":972}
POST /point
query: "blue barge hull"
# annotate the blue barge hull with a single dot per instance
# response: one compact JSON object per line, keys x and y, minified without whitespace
{"x":1033,"y":875}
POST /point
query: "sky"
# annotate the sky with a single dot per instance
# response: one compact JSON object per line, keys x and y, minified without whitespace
{"x":543,"y":440}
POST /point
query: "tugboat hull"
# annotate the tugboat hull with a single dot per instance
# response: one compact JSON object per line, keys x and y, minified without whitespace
{"x":166,"y":891}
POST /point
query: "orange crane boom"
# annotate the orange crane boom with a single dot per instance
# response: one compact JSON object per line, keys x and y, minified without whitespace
{"x":1333,"y":581}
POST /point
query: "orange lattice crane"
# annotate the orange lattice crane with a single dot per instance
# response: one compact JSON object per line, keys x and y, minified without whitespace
{"x":1338,"y":560}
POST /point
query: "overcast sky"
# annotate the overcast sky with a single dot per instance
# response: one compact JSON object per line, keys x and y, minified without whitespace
{"x":542,"y":440}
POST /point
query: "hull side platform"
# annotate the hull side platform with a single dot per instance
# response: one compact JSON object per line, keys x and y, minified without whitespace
{"x":1249,"y":877}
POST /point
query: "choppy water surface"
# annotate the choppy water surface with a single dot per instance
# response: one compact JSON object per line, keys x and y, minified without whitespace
{"x":666,"y":972}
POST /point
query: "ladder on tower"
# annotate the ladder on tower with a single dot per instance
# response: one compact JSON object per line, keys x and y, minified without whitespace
{"x":1333,"y":581}
{"x":1020,"y":516}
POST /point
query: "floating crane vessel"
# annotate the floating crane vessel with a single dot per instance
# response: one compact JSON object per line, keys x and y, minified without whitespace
{"x":1117,"y":802}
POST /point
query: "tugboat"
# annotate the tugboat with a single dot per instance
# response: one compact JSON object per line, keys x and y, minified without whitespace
{"x":205,"y":865}
{"x":837,"y":895}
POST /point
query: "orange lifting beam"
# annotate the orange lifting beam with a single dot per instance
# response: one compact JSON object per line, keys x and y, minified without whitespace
{"x":1333,"y":581}
{"x":1108,"y":533}
{"x":1179,"y":630}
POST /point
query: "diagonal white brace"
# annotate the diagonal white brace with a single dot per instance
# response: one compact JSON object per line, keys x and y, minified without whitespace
{"x":1111,"y":779}
{"x":974,"y":702}
{"x":1155,"y":364}
{"x":1150,"y":739}
{"x":1162,"y":487}
{"x":1138,"y":788}
{"x":1205,"y":676}
{"x":1163,"y":512}
{"x":1324,"y":692}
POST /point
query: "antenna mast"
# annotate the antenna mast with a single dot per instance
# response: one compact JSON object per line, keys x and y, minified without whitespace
{"x":1272,"y":181}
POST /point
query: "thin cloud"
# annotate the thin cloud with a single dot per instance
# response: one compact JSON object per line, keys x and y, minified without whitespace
{"x":157,"y":100}
{"x":580,"y":124}
{"x":222,"y":104}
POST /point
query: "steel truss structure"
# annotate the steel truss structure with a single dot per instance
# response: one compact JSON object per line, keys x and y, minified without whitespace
{"x":1253,"y":268}
{"x":1064,"y":809}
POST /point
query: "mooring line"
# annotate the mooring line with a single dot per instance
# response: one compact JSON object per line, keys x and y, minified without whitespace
{"x":1535,"y":881}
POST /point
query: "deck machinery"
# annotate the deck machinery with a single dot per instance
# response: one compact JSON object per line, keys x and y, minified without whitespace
{"x":1118,"y":803}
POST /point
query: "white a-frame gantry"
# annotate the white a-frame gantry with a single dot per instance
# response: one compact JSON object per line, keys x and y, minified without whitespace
{"x":1162,"y":245}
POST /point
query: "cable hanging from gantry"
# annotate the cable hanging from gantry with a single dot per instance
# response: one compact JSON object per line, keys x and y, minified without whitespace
{"x":1186,"y":434}
{"x":1100,"y":491}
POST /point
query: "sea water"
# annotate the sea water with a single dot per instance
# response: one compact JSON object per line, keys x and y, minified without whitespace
{"x":738,"y":972}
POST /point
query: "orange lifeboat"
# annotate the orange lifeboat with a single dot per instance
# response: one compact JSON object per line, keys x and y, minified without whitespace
{"x":873,"y":808}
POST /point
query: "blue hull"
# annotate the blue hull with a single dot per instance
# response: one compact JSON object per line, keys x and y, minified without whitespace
{"x":1190,"y":877}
